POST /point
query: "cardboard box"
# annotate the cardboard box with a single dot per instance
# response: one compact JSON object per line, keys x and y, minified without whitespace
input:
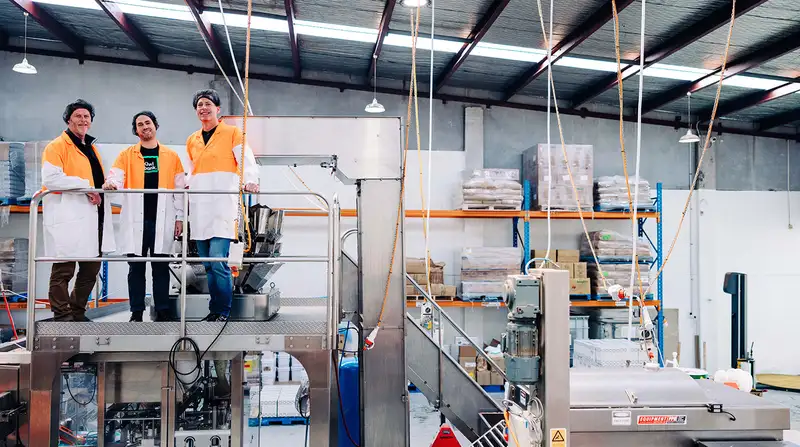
{"x":543,"y":265}
{"x":499,"y":360}
{"x":417,"y":265}
{"x":420,"y":278}
{"x":449,"y":291}
{"x":496,"y":378}
{"x":569,"y":267}
{"x":542,"y":253}
{"x":411,"y":291}
{"x":484,"y":378}
{"x":580,"y":287}
{"x":467,"y":351}
{"x":480,"y":362}
{"x":579,"y":270}
{"x":437,"y":289}
{"x":568,"y":256}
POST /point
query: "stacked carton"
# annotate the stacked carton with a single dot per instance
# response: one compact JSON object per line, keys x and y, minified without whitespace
{"x":478,"y":368}
{"x":12,"y":170}
{"x":491,"y":189}
{"x":484,"y":271}
{"x":612,"y":246}
{"x":568,"y":260}
{"x":33,"y":166}
{"x":14,"y":265}
{"x":617,"y":274}
{"x":415,"y":267}
{"x":611,"y":193}
{"x":554,"y":182}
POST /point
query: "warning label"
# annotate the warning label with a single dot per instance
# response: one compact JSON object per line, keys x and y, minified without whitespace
{"x":661,"y":420}
{"x":558,"y":437}
{"x":621,"y":418}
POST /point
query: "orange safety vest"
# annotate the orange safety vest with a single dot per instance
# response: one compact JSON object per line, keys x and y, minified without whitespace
{"x":131,"y":161}
{"x":217,"y":155}
{"x":62,"y":153}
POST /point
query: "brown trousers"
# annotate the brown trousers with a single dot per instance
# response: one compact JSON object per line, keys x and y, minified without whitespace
{"x":71,"y":306}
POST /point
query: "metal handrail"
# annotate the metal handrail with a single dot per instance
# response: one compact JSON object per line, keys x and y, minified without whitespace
{"x":333,"y":244}
{"x":456,"y":327}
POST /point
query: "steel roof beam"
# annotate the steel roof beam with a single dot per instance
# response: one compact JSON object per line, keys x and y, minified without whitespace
{"x":472,"y":41}
{"x":293,"y":42}
{"x":747,"y":62}
{"x":383,"y":30}
{"x":778,"y":120}
{"x":689,"y":35}
{"x":390,"y":91}
{"x":55,"y":28}
{"x":569,"y":43}
{"x":195,"y":7}
{"x":752,"y":100}
{"x":129,"y":28}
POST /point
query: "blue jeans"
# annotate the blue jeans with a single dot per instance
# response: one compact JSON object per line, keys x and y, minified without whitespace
{"x":220,"y":281}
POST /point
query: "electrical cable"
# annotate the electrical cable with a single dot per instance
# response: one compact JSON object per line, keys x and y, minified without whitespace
{"x":339,"y":392}
{"x":233,"y":55}
{"x":705,"y":145}
{"x":566,"y":158}
{"x":72,"y":396}
{"x":217,"y":62}
{"x":549,"y":161}
{"x":411,"y":91}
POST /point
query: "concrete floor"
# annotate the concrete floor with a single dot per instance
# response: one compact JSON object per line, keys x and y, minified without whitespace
{"x":425,"y":424}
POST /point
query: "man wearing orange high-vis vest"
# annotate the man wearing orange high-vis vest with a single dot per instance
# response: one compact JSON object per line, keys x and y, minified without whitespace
{"x":149,"y":223}
{"x":215,"y":154}
{"x":75,"y":225}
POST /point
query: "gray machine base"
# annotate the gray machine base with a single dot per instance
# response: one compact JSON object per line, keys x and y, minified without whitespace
{"x":260,"y":307}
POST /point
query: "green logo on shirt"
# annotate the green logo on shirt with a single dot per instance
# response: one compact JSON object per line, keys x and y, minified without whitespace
{"x":150,"y":164}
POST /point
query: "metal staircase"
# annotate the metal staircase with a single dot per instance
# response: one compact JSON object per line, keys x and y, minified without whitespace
{"x":463,"y":401}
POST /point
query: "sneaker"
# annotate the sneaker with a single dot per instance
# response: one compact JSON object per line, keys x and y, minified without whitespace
{"x":222,"y":318}
{"x":81,"y":319}
{"x":211,"y":317}
{"x":136,"y":316}
{"x":163,"y":315}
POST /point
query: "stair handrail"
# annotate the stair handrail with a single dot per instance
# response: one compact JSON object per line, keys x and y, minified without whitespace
{"x":478,"y":349}
{"x":491,"y":436}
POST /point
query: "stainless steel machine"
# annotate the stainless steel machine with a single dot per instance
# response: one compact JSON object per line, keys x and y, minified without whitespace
{"x":613,"y":407}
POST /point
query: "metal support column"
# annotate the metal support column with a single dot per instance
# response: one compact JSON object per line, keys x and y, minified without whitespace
{"x":168,"y":416}
{"x":237,"y":399}
{"x":383,"y":368}
{"x":100,"y":397}
{"x":659,"y":262}
{"x":527,"y":225}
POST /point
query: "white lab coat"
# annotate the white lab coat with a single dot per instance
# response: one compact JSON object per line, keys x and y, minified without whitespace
{"x":131,"y":228}
{"x":215,"y":215}
{"x":69,"y":220}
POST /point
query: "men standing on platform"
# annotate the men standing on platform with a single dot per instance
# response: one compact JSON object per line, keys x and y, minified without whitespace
{"x":215,"y":154}
{"x":150,"y":222}
{"x":76,"y":225}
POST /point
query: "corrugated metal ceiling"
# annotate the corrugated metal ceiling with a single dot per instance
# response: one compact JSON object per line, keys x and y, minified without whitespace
{"x":517,"y":25}
{"x":12,"y":21}
{"x":486,"y":73}
{"x":454,"y":18}
{"x":341,"y":56}
{"x":93,"y":26}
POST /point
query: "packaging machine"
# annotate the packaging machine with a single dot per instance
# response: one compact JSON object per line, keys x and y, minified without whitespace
{"x":154,"y":388}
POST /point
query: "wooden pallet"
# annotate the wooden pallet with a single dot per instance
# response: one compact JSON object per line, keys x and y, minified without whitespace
{"x":490,"y":207}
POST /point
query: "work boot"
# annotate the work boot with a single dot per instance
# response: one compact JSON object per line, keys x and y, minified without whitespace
{"x":163,"y":315}
{"x":81,"y":318}
{"x":136,"y":316}
{"x":211,"y":317}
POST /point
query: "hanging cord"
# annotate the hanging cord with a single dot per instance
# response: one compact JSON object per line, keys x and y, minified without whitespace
{"x":632,"y":202}
{"x":705,"y":145}
{"x":411,"y":93}
{"x":634,"y":223}
{"x":566,"y":158}
{"x":549,"y":161}
{"x":242,"y":218}
{"x":233,"y":55}
{"x":219,"y":66}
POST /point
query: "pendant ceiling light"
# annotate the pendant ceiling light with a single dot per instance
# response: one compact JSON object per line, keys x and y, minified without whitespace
{"x":375,"y":106}
{"x":25,"y":67}
{"x":415,"y":3}
{"x":690,"y":137}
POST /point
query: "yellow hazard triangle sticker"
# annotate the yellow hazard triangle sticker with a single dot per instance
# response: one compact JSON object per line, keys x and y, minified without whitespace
{"x":558,"y":437}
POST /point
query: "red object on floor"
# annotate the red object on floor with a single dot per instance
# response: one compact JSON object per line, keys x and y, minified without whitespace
{"x":445,"y":438}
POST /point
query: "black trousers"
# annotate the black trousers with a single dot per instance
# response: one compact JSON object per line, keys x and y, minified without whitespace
{"x":137,"y":270}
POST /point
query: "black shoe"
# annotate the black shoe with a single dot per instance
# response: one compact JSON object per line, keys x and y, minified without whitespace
{"x":81,"y":319}
{"x":136,"y":316}
{"x":163,"y":315}
{"x":211,"y":317}
{"x":222,"y":318}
